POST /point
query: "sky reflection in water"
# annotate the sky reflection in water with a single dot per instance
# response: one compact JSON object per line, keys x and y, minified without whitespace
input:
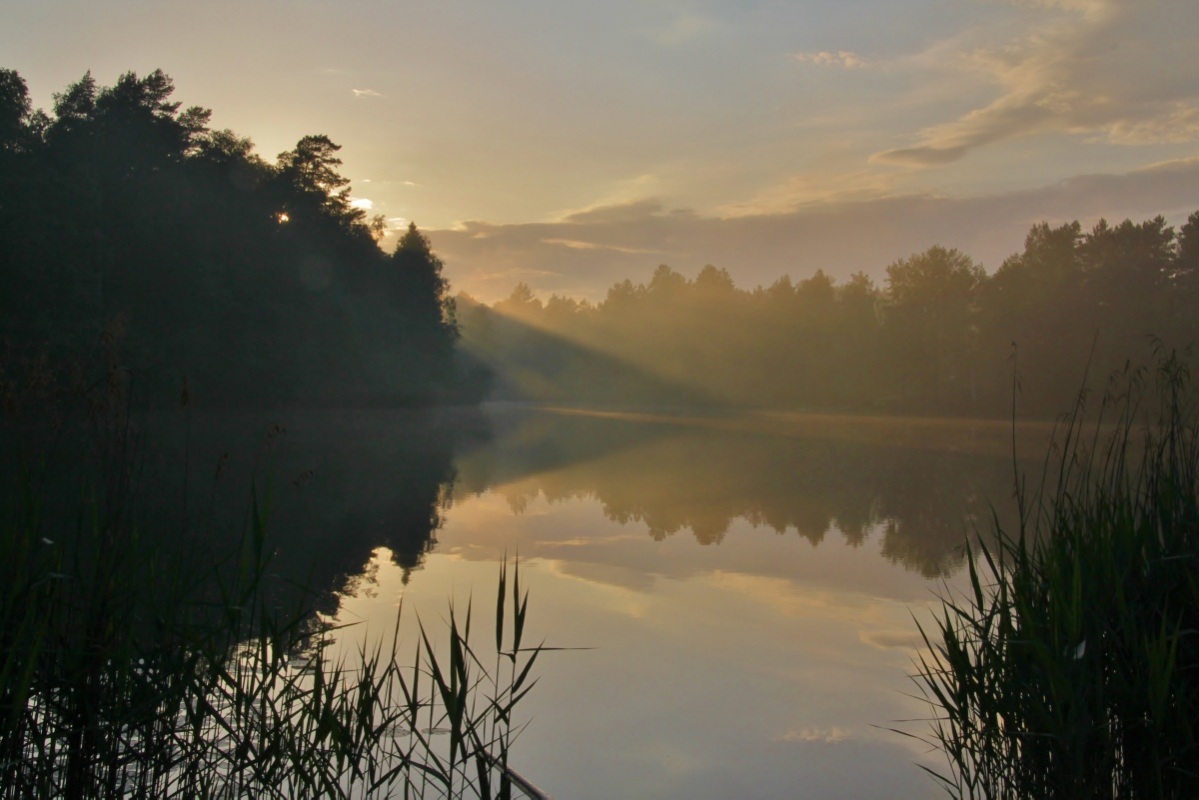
{"x":768,"y":663}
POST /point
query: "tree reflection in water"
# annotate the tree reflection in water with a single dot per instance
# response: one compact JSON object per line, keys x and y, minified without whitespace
{"x":344,"y":483}
{"x":925,"y":482}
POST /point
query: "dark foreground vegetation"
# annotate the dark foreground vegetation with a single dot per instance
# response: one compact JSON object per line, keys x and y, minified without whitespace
{"x":123,"y":675}
{"x":937,"y":338}
{"x":160,"y":615}
{"x":249,"y":283}
{"x":138,"y":661}
{"x":1071,"y":668}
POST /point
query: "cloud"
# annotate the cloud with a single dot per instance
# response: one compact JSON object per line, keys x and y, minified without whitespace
{"x":589,"y":251}
{"x":813,"y":735}
{"x":575,"y":244}
{"x":614,"y":213}
{"x":366,"y":93}
{"x":816,"y":187}
{"x":842,"y":58}
{"x":1176,"y":126}
{"x":888,"y":639}
{"x":395,"y":225}
{"x":1117,"y":72}
{"x":928,"y":156}
{"x":362,"y":203}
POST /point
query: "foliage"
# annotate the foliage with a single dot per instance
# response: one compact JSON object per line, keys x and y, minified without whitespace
{"x":936,"y":338}
{"x":1069,"y":669}
{"x":261,"y":283}
{"x":930,"y":312}
{"x":122,"y":678}
{"x":142,"y":662}
{"x":129,"y":671}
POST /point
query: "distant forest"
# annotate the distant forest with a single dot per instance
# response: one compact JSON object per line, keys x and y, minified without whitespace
{"x":131,"y":232}
{"x":941,"y":336}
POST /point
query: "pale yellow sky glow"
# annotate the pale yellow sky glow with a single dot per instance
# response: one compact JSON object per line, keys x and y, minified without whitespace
{"x":712,"y":130}
{"x":665,"y":623}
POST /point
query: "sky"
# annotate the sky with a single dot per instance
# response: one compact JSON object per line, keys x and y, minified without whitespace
{"x":571,"y":145}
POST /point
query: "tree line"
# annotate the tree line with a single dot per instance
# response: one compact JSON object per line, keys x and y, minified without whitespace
{"x":128,"y":224}
{"x":941,"y":335}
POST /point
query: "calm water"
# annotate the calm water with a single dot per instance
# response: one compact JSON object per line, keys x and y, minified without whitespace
{"x":747,"y":586}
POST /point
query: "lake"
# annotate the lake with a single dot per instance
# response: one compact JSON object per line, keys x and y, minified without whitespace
{"x":743,"y":590}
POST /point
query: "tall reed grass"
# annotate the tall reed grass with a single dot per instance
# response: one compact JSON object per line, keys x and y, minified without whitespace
{"x":1070,"y":668}
{"x":128,"y":671}
{"x":125,"y":674}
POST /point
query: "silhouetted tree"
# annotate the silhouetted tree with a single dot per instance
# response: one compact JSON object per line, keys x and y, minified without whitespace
{"x":259,"y":282}
{"x":938,"y":339}
{"x":931,"y":307}
{"x":14,"y":111}
{"x":1184,"y":282}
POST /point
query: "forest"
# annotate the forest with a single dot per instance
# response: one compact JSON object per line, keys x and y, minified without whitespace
{"x":940,"y":336}
{"x":149,"y":261}
{"x":132,"y":233}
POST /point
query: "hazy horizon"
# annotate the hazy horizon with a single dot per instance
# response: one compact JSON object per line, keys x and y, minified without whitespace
{"x":741,"y":326}
{"x":572,"y":146}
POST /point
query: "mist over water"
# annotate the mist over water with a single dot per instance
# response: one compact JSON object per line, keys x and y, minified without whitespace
{"x":746,"y":586}
{"x":733,"y":504}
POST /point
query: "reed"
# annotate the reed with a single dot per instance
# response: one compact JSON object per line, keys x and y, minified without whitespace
{"x":130,"y":671}
{"x":1070,"y":667}
{"x":124,"y":674}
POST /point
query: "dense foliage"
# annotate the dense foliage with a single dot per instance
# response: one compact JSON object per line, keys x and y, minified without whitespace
{"x":937,"y":337}
{"x":123,"y":217}
{"x":124,"y":674}
{"x":165,"y":610}
{"x":1068,"y":670}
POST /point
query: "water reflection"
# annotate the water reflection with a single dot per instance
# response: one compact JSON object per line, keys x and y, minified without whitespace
{"x":340,"y":484}
{"x":331,"y":486}
{"x":763,"y":667}
{"x":344,"y":483}
{"x":924,"y":482}
{"x":754,"y":644}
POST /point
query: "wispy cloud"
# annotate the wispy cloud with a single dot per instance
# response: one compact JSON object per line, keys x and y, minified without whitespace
{"x":815,"y":735}
{"x":359,"y":93}
{"x":602,"y":246}
{"x":577,"y":244}
{"x":889,"y":639}
{"x":395,"y":225}
{"x":516,"y":275}
{"x":816,"y":187}
{"x":617,"y":212}
{"x":1106,"y":69}
{"x":844,"y":59}
{"x":1175,"y":126}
